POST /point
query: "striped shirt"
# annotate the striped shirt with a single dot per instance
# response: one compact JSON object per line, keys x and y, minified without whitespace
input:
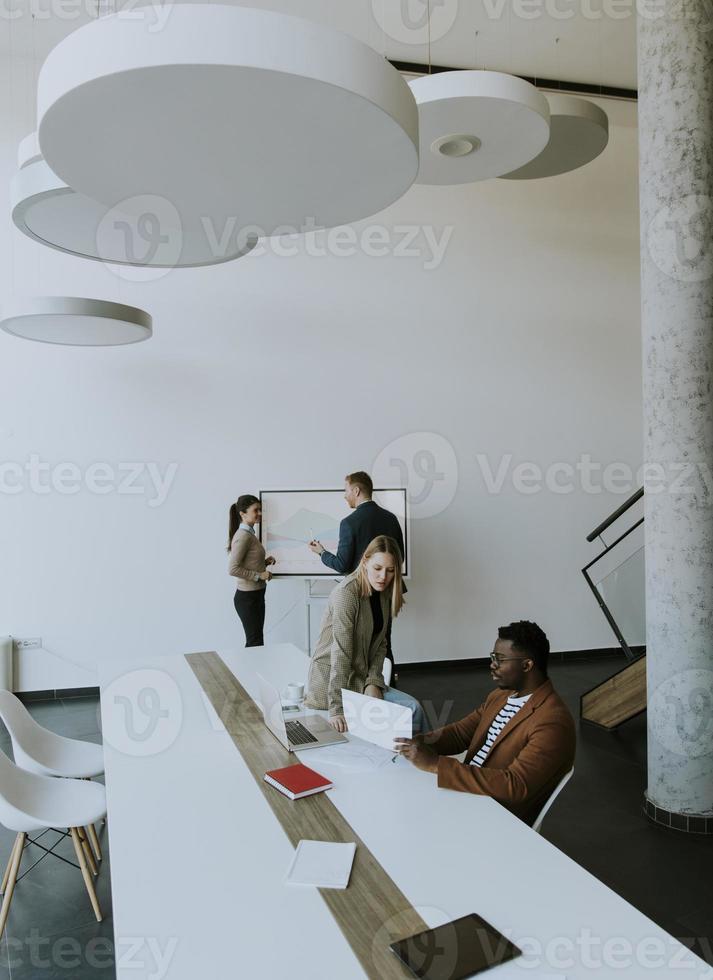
{"x":508,"y":711}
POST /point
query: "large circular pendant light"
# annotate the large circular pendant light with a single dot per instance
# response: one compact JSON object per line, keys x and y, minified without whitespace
{"x":47,"y":210}
{"x":76,"y":322}
{"x":579,"y":132}
{"x":29,"y":150}
{"x":477,"y":124}
{"x":229,"y":113}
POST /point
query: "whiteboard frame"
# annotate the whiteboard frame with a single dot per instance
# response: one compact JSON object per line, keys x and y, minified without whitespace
{"x":329,"y":572}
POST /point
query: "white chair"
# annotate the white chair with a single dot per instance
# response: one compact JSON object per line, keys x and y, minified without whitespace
{"x":45,"y":753}
{"x":555,"y":793}
{"x":387,"y":671}
{"x":29,"y":802}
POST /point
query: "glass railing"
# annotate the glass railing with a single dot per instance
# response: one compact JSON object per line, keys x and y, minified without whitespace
{"x":617,"y":575}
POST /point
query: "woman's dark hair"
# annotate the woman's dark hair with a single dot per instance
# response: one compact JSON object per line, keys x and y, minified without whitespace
{"x":242,"y":504}
{"x":529,"y":639}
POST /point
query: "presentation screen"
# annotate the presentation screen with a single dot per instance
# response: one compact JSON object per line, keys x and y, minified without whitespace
{"x":293,"y":518}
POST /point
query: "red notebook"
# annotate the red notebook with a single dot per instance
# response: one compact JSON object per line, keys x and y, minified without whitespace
{"x":297,"y":781}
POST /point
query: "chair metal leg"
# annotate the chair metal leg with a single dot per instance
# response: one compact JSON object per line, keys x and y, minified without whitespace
{"x":94,"y":841}
{"x":88,"y":853}
{"x":11,"y":879}
{"x":86,"y":874}
{"x":9,"y":865}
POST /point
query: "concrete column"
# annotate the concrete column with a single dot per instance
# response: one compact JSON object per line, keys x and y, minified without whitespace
{"x":675,"y":48}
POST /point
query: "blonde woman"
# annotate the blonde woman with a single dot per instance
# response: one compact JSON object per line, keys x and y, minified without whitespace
{"x":352,"y":641}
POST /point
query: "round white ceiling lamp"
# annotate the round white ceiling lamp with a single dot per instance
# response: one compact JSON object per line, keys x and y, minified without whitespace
{"x":150,"y":234}
{"x":230,"y":114}
{"x":28,"y":151}
{"x":475,"y":125}
{"x":579,"y":132}
{"x":76,"y":322}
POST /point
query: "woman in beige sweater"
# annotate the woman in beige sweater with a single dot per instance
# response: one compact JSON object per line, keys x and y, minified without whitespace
{"x":248,"y":564}
{"x":352,"y":641}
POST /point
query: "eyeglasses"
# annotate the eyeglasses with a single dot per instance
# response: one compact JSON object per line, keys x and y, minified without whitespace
{"x":496,"y":659}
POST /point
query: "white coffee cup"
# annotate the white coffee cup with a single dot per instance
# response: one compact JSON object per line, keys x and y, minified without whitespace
{"x":295,"y":692}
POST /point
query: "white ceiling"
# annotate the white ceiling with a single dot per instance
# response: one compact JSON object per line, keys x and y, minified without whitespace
{"x":597,"y":38}
{"x":592,"y":47}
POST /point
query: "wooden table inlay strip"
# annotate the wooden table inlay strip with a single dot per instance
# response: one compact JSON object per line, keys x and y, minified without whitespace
{"x":372,"y":911}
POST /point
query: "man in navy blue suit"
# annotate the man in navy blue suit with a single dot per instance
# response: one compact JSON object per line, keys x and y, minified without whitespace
{"x":358,"y":530}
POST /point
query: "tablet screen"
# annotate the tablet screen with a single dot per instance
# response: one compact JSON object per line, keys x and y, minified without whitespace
{"x":455,"y":950}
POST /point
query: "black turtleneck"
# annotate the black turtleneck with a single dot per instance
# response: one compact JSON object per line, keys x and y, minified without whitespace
{"x":375,"y":600}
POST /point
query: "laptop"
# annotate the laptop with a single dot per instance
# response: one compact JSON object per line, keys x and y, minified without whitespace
{"x":308,"y":732}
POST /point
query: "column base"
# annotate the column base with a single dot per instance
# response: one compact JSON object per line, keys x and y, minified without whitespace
{"x":687,"y":823}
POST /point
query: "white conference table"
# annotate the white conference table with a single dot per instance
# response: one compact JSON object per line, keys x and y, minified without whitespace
{"x":198,"y":858}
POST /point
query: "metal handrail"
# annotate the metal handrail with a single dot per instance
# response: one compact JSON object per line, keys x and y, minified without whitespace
{"x":601,"y":528}
{"x":596,"y":533}
{"x":628,"y":652}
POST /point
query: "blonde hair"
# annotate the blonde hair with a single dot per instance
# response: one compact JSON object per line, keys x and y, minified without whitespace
{"x":383,"y":545}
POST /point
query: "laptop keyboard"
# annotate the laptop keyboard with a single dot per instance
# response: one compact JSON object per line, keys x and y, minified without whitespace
{"x":298,"y":734}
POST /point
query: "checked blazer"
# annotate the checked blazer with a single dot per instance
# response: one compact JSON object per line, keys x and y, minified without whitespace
{"x":347,"y":654}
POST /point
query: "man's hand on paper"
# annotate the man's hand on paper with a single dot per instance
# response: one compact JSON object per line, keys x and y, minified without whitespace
{"x":421,"y":755}
{"x":372,"y":691}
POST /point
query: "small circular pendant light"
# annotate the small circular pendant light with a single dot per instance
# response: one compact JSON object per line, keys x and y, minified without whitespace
{"x":231,"y":114}
{"x":477,"y":124}
{"x":76,"y":322}
{"x":45,"y":209}
{"x":579,"y":132}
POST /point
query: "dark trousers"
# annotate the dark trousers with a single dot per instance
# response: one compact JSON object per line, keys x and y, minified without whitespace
{"x":250,"y":606}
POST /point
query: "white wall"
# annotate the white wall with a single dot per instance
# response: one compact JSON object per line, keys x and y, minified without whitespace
{"x":276,"y":371}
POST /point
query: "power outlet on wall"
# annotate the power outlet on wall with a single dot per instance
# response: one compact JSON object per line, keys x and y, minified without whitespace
{"x":28,"y":643}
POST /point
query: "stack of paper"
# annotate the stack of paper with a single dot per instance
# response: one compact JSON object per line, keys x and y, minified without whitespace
{"x":321,"y":864}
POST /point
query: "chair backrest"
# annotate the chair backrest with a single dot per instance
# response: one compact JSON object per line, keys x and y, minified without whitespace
{"x":387,"y":671}
{"x":555,"y":793}
{"x":27,"y":736}
{"x":17,"y":791}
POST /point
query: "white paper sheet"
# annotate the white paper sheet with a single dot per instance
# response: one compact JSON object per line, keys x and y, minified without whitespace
{"x":352,"y":756}
{"x":322,"y":864}
{"x":375,"y":720}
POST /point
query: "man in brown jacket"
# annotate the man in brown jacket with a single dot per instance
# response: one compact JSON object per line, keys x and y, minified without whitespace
{"x":519,"y":743}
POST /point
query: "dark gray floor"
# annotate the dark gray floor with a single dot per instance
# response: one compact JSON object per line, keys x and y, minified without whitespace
{"x":597,"y":821}
{"x":51,"y":930}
